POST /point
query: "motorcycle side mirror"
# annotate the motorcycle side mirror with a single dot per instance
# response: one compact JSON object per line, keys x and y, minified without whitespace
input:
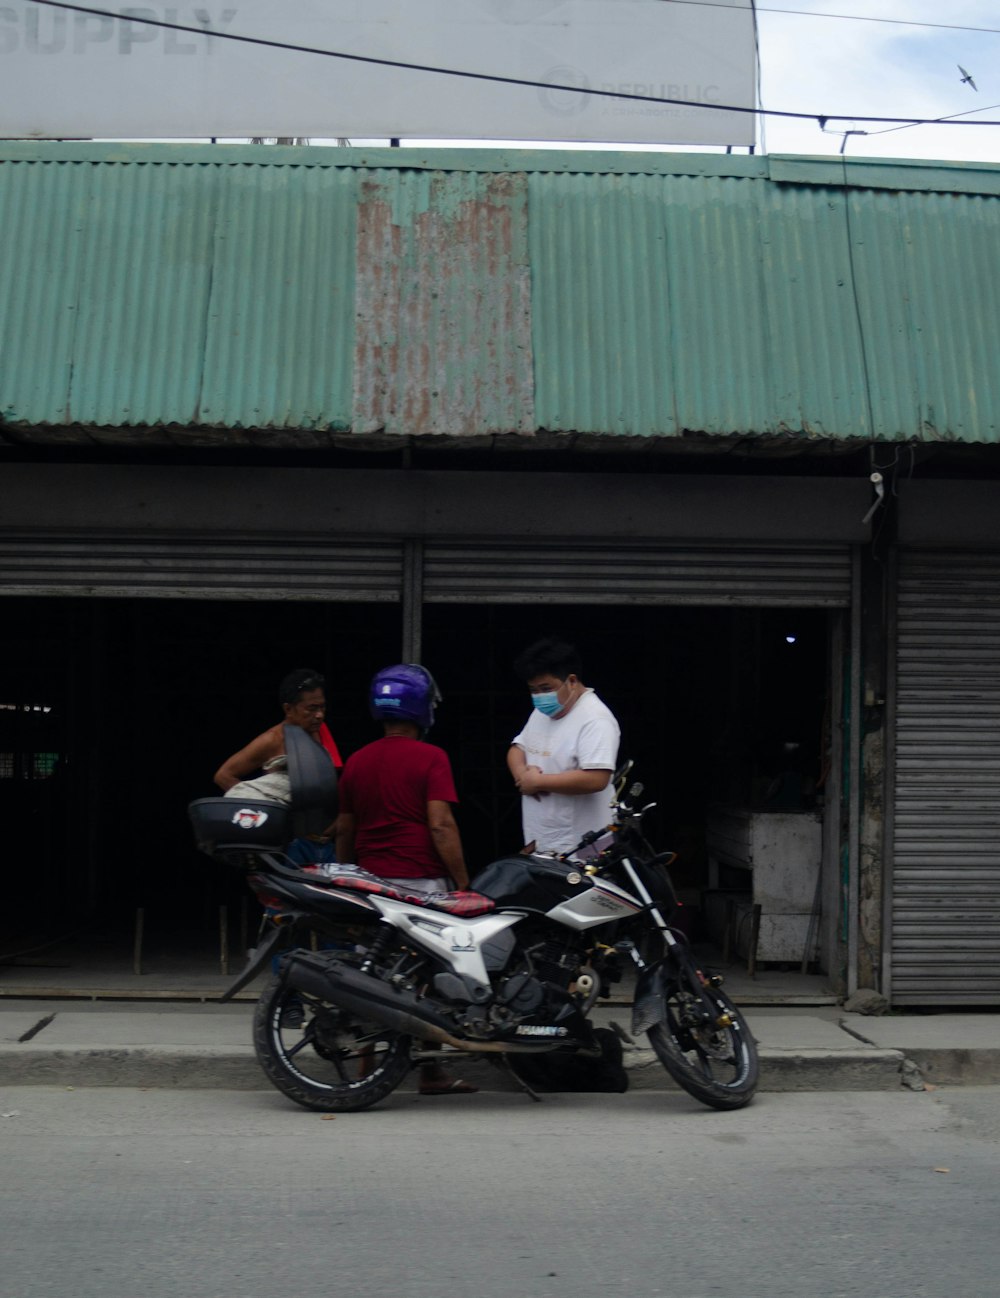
{"x":621,"y":775}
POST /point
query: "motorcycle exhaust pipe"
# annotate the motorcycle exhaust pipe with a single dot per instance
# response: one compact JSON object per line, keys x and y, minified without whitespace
{"x":372,"y":999}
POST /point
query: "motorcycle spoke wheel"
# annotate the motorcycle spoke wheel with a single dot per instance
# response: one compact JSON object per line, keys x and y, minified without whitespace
{"x":324,"y":1057}
{"x":715,"y":1062}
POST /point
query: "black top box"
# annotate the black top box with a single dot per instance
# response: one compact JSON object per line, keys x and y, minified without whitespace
{"x":226,"y":823}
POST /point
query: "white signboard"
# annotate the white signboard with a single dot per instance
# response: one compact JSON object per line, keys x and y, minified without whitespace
{"x":155,"y":71}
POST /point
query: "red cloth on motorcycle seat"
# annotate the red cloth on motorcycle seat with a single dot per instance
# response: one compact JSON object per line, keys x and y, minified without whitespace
{"x":468,"y":904}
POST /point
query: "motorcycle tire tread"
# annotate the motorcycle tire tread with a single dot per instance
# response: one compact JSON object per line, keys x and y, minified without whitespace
{"x":348,"y":1098}
{"x":715,"y":1094}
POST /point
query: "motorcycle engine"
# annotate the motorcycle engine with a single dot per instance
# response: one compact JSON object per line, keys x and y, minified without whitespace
{"x":535,"y":989}
{"x":542,"y":982}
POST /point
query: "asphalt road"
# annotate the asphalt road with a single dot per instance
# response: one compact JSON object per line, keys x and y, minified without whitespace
{"x":212,"y":1194}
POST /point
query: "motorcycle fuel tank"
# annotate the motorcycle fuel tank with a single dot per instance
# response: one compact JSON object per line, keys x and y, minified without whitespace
{"x":599,"y":903}
{"x":529,"y":882}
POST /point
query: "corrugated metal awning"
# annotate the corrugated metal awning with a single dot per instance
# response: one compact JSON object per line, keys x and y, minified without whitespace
{"x":277,"y":294}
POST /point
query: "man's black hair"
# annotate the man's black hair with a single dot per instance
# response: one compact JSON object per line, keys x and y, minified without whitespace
{"x":297,"y":683}
{"x":548,"y":657}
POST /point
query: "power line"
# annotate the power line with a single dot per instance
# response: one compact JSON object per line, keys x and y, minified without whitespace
{"x":853,"y":18}
{"x":942,"y":121}
{"x":496,"y":78}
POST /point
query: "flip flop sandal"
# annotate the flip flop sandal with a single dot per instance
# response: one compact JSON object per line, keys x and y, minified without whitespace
{"x":454,"y":1087}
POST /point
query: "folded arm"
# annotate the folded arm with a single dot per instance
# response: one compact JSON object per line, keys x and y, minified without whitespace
{"x":533,"y":782}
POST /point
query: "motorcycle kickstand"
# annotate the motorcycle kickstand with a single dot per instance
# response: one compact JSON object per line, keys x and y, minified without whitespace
{"x":533,"y":1095}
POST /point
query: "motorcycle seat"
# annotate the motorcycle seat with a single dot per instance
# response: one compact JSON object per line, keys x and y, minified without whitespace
{"x":466,"y":904}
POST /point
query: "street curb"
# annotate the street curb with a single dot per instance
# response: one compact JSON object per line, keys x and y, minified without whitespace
{"x":190,"y":1069}
{"x":792,"y":1070}
{"x":238,"y":1070}
{"x":955,"y":1066}
{"x":824,"y":1070}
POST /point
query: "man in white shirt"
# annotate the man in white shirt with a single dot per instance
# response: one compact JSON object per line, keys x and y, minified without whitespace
{"x":563,"y":759}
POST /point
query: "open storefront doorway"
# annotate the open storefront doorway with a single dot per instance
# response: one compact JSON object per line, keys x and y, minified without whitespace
{"x":726,"y":713}
{"x":115,"y":714}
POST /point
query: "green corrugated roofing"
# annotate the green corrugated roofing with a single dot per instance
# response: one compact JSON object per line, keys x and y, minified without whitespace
{"x":478,"y":292}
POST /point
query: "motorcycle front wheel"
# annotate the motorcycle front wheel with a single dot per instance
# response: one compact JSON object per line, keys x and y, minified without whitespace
{"x":324,"y":1057}
{"x":716,"y":1062}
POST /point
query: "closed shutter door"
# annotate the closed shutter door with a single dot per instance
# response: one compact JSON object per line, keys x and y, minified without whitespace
{"x":945,"y":915}
{"x":528,"y":572}
{"x":200,"y":567}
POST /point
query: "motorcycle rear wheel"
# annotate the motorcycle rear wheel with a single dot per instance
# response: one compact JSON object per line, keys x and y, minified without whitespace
{"x":324,"y":1057}
{"x":716,"y":1063}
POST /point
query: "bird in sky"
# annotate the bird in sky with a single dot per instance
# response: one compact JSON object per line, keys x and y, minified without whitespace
{"x":966,"y":77}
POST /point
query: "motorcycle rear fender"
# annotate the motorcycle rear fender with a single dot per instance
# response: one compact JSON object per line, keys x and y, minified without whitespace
{"x":259,"y":957}
{"x":331,"y":908}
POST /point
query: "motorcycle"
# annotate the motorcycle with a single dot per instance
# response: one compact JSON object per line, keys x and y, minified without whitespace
{"x":373,"y":979}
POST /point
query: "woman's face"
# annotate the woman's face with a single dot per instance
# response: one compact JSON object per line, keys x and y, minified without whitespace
{"x":308,"y":711}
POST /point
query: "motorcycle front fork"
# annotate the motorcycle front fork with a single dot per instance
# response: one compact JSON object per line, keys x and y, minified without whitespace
{"x":678,"y":952}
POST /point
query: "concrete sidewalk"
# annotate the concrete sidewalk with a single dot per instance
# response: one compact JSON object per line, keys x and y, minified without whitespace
{"x":179,"y":1044}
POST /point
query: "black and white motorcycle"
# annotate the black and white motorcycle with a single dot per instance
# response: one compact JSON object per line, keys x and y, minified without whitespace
{"x":511,"y":967}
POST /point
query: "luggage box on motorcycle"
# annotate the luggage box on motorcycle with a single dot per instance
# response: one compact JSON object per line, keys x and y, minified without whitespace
{"x":222,"y":824}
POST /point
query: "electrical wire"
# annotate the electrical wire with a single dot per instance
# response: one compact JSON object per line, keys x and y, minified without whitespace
{"x":495,"y":78}
{"x":986,"y":108}
{"x":851,"y":18}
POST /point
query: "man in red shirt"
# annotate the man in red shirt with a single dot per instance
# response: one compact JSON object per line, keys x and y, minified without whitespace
{"x":396,"y":794}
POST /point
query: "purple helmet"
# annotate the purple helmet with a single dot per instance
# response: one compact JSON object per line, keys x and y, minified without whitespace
{"x":406,"y":692}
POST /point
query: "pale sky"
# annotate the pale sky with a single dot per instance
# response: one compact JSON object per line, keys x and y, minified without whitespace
{"x":817,"y":64}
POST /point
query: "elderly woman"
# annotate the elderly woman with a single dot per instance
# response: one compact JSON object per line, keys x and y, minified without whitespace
{"x":303,"y":699}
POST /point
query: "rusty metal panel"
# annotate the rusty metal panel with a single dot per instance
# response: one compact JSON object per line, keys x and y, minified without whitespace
{"x":443,"y":304}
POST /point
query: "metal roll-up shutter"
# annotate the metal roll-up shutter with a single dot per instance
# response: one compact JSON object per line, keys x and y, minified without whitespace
{"x":529,"y":572}
{"x":945,"y":907}
{"x":179,"y":566}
